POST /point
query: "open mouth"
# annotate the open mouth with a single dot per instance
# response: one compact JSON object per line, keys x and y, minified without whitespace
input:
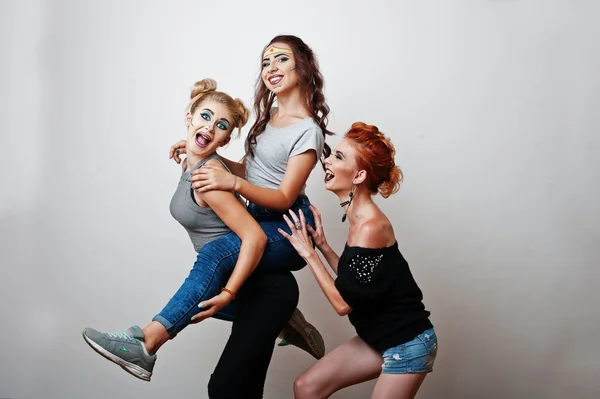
{"x":328,"y":175}
{"x":202,"y":139}
{"x":275,"y":79}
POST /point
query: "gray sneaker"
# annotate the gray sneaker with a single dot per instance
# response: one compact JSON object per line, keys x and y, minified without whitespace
{"x":123,"y":348}
{"x":301,"y":333}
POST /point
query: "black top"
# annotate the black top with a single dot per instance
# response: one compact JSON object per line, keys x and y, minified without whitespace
{"x":387,"y":308}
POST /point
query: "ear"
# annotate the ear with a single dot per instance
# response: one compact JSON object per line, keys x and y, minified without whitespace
{"x":224,"y":142}
{"x":188,"y":119}
{"x":360,"y":177}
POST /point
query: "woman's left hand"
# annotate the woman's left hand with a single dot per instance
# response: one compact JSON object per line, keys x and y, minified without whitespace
{"x":213,"y":177}
{"x":212,"y":306}
{"x":299,"y":238}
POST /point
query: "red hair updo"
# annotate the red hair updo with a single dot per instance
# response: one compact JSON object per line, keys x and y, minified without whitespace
{"x":375,"y":155}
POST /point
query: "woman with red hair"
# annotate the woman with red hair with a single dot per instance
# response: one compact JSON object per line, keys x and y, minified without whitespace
{"x":396,"y":342}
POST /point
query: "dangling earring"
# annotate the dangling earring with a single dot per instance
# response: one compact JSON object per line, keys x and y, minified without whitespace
{"x":348,"y":202}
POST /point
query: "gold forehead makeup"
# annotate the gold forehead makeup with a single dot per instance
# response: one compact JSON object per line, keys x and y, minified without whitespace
{"x":276,"y":50}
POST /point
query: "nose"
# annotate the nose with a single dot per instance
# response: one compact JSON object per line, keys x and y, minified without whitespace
{"x":327,"y":161}
{"x":210,"y":126}
{"x":272,"y":67}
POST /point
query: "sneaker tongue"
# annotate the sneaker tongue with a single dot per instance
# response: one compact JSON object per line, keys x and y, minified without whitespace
{"x":136,"y":332}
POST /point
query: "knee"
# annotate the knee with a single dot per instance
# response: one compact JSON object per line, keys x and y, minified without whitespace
{"x":306,"y":387}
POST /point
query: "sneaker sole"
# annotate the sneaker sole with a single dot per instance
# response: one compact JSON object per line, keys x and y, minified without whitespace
{"x":310,"y":334}
{"x":131,"y":368}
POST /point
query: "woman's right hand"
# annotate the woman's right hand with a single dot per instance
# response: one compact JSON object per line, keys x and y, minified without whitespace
{"x":177,"y":149}
{"x":317,"y":234}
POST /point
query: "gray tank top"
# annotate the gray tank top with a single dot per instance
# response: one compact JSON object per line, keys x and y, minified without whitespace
{"x":202,"y":224}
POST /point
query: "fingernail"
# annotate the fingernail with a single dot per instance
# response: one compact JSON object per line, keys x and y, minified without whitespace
{"x":192,"y":319}
{"x":200,"y":304}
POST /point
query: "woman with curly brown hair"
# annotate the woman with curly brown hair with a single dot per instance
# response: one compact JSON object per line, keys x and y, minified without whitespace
{"x":396,"y":342}
{"x":282,"y":148}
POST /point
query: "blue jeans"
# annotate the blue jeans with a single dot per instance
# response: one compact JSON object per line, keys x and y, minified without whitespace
{"x":216,"y":260}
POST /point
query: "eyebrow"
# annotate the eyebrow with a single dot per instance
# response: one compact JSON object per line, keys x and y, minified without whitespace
{"x":276,"y":56}
{"x":213,"y":114}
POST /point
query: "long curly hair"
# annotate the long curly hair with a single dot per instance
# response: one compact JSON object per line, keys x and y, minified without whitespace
{"x":311,"y":86}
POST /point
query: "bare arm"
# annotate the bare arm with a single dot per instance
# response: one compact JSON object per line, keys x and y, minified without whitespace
{"x":331,"y":257}
{"x":281,"y":199}
{"x":302,"y":243}
{"x":318,"y":236}
{"x":327,"y":285}
{"x":296,"y":175}
{"x":236,"y":217}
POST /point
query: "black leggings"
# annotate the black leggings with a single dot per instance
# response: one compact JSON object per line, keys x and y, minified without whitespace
{"x":265,"y":303}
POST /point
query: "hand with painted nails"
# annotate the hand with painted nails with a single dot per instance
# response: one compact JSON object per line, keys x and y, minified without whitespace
{"x":177,"y":150}
{"x":299,"y":238}
{"x":213,"y":177}
{"x":212,"y":306}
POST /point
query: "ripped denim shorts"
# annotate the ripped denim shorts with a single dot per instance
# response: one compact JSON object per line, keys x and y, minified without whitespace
{"x":416,"y":356}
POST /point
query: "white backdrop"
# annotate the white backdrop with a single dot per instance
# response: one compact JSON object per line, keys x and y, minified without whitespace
{"x":493,"y":108}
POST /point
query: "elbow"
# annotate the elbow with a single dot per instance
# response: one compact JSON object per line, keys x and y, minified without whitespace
{"x":256,"y":238}
{"x":286,"y":204}
{"x":343,"y":310}
{"x":261,"y":239}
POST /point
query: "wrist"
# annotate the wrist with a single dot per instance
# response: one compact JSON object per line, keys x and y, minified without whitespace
{"x":236,"y":183}
{"x":324,"y":247}
{"x":229,"y":293}
{"x":312,"y":255}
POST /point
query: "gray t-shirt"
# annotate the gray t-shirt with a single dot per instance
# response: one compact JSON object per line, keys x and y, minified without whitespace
{"x":275,"y":146}
{"x":202,"y":224}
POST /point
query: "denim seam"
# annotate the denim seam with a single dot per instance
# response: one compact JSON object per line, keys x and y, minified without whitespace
{"x":408,"y":371}
{"x":428,"y":348}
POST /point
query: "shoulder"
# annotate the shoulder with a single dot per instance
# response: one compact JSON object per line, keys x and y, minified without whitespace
{"x":376,"y":232}
{"x":305,"y":125}
{"x":215,"y":161}
{"x":306,"y":136}
{"x":312,"y":126}
{"x":307,"y":130}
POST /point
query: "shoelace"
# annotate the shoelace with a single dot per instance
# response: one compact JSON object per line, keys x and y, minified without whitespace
{"x":121,"y":335}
